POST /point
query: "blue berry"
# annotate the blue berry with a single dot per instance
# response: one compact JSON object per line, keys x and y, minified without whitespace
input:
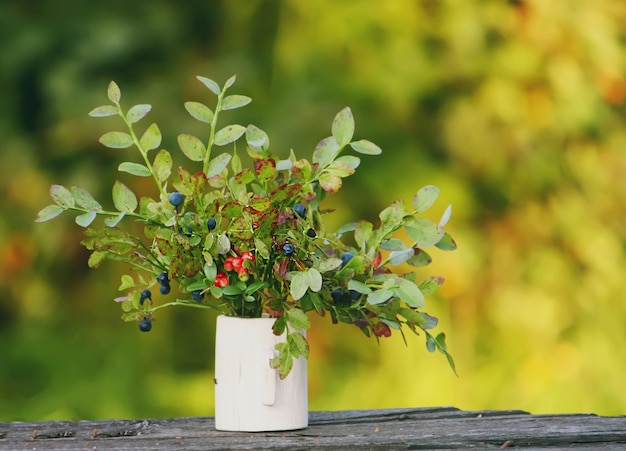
{"x":176,"y":199}
{"x":288,"y":249}
{"x":345,"y":258}
{"x":145,"y":294}
{"x":300,"y":210}
{"x":165,"y":288}
{"x":211,"y":224}
{"x":145,"y":325}
{"x":311,"y":233}
{"x":355,"y":295}
{"x":197,"y":295}
{"x":336,"y":295}
{"x":163,"y":278}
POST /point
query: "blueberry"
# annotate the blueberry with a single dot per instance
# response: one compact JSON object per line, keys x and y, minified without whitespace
{"x":311,"y":233}
{"x":163,"y":278}
{"x":211,"y":224}
{"x":145,"y":294}
{"x":288,"y":249}
{"x":176,"y":199}
{"x":336,"y":295}
{"x":345,"y":258}
{"x":165,"y":288}
{"x":300,"y":210}
{"x":145,"y":325}
{"x":355,"y":295}
{"x":197,"y":295}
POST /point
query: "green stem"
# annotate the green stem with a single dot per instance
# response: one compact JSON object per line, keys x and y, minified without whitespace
{"x":186,"y":304}
{"x":142,"y":151}
{"x":218,"y":106}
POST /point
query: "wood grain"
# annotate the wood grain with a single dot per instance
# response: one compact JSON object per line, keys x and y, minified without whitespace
{"x":387,"y":429}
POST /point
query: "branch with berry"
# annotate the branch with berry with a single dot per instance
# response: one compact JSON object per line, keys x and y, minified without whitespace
{"x":249,"y":239}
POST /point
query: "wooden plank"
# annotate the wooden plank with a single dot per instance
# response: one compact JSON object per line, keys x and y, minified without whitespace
{"x":425,"y":428}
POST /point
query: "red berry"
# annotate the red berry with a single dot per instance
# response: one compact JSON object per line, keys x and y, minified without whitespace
{"x":237,"y":263}
{"x":221,"y":280}
{"x":228,"y":263}
{"x":248,"y":256}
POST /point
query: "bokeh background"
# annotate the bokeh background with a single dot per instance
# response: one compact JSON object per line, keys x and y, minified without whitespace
{"x":515,"y":109}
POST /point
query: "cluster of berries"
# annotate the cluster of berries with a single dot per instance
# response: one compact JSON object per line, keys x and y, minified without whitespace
{"x":164,"y":280}
{"x":233,"y":263}
{"x":145,"y":325}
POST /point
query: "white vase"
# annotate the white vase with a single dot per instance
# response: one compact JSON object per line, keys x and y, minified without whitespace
{"x":249,"y":395}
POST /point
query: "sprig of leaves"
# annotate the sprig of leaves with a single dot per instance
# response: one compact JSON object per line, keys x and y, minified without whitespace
{"x":232,"y":209}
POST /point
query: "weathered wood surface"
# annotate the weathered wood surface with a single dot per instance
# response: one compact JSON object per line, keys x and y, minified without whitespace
{"x":425,"y":428}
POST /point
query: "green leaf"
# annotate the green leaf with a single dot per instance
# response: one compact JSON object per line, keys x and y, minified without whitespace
{"x":393,"y":244}
{"x":283,"y":361}
{"x":229,"y":134}
{"x":299,"y":285}
{"x":366,"y":147}
{"x":343,"y":127}
{"x":445,"y":217}
{"x":431,"y":284}
{"x":127,"y":282}
{"x":230,"y":82}
{"x":363,"y":233}
{"x":151,"y":138}
{"x":85,"y":219}
{"x":123,"y":198}
{"x":349,"y":160}
{"x":192,"y":147}
{"x":104,"y":111}
{"x":380,"y":296}
{"x":257,"y":138}
{"x":116,"y":140}
{"x":340,"y":169}
{"x":162,"y":165}
{"x":49,"y":212}
{"x":96,"y":258}
{"x":297,"y":319}
{"x":359,"y":287}
{"x":62,"y":196}
{"x":235,"y":101}
{"x":139,"y":170}
{"x":304,"y":280}
{"x":232,"y":290}
{"x":424,"y":198}
{"x":325,"y":151}
{"x":329,"y":182}
{"x":423,"y":231}
{"x":298,"y":345}
{"x":392,"y":217}
{"x":218,"y":164}
{"x":329,"y":264}
{"x":199,"y":111}
{"x":315,"y":279}
{"x":114,"y":220}
{"x":420,"y":258}
{"x":400,"y":256}
{"x":213,"y":87}
{"x":113,"y":92}
{"x":84,"y":199}
{"x":138,"y":112}
{"x":446,"y":243}
{"x":408,"y":292}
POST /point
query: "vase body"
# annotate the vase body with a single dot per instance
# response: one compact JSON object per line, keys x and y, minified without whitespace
{"x":249,"y":395}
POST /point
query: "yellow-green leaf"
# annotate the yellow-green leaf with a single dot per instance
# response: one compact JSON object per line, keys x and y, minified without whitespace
{"x":123,"y":198}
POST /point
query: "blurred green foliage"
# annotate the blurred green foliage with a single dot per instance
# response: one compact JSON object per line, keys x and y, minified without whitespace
{"x":515,"y":109}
